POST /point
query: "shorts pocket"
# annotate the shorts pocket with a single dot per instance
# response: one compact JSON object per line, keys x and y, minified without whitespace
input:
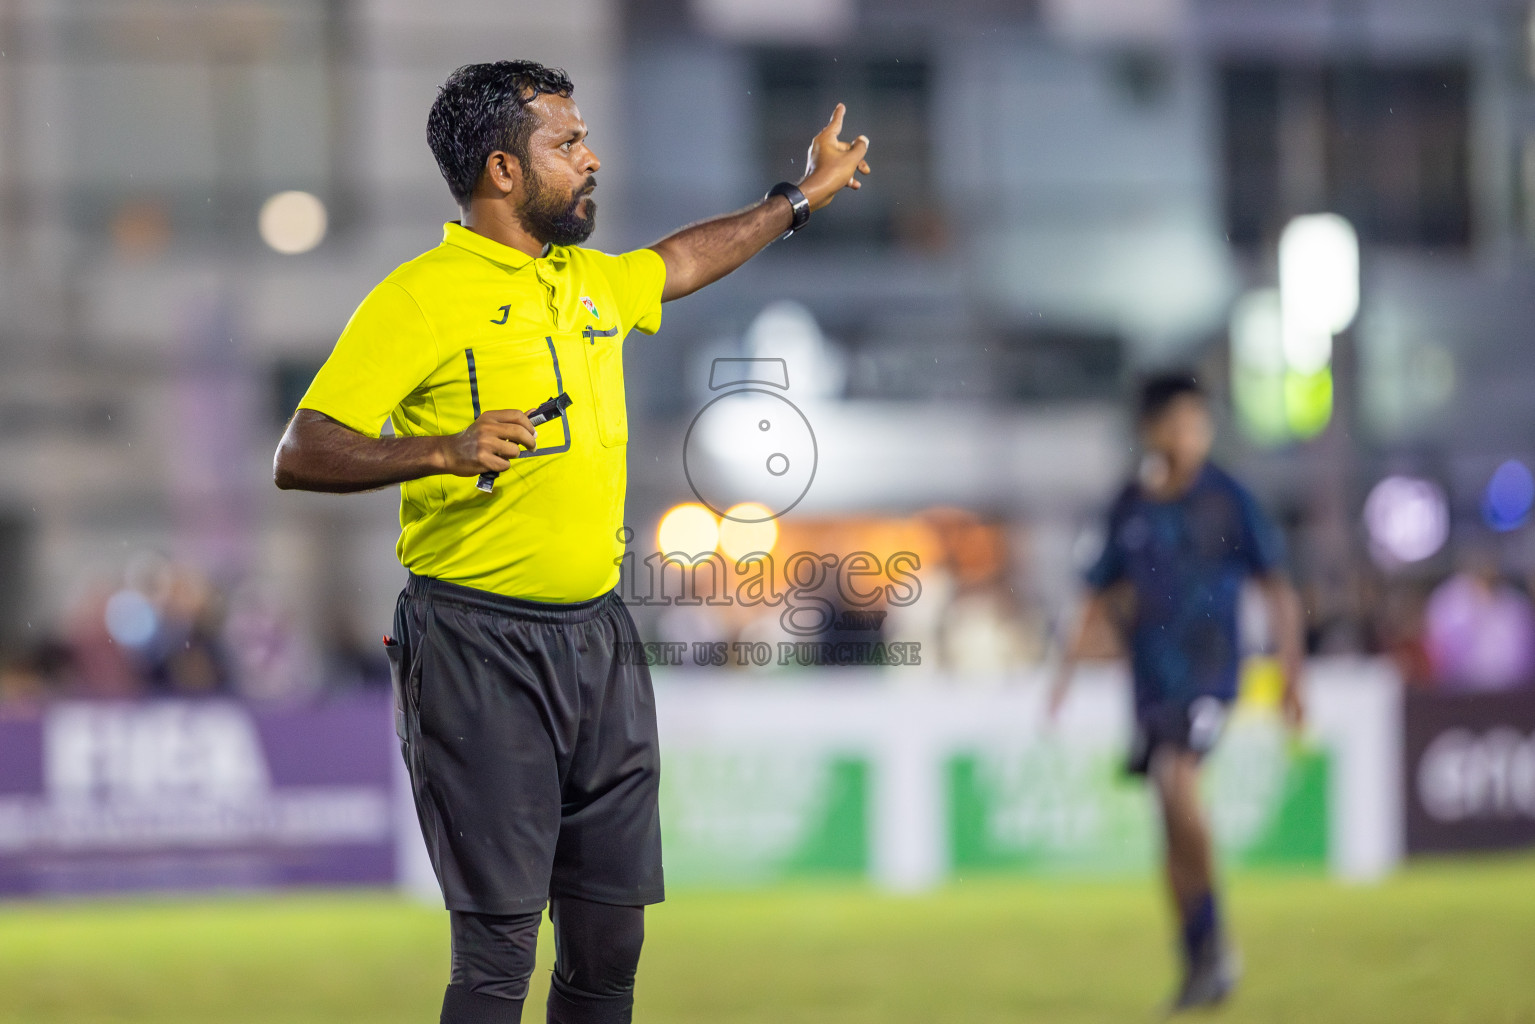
{"x":393,"y":652}
{"x":605,"y":368}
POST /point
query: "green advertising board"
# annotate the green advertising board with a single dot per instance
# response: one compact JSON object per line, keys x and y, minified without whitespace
{"x":1061,"y":805}
{"x":755,"y":815}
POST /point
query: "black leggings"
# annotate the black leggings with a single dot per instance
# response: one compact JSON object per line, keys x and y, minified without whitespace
{"x":596,"y":952}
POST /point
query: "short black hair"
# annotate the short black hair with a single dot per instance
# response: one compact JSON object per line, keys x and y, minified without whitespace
{"x":482,"y":108}
{"x":1161,"y":390}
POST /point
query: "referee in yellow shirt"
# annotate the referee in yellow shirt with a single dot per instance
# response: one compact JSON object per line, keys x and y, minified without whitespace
{"x":531,"y":744}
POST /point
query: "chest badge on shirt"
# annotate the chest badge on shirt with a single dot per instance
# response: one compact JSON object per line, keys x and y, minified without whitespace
{"x":591,"y":307}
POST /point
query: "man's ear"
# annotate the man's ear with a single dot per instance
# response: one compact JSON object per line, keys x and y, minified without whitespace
{"x":503,"y":172}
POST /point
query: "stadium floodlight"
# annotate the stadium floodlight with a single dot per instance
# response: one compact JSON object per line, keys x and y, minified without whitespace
{"x":130,"y":618}
{"x":1408,"y":519}
{"x":1318,"y":287}
{"x":1510,"y":496}
{"x":690,"y":529}
{"x":746,"y":529}
{"x":292,"y":222}
{"x":1306,"y":350}
{"x":1256,"y":339}
{"x":1258,"y":366}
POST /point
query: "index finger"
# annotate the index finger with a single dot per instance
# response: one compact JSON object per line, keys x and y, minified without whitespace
{"x":510,"y":417}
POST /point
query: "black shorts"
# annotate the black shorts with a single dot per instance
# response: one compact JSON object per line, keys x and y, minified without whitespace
{"x":1189,"y":725}
{"x":531,"y":747}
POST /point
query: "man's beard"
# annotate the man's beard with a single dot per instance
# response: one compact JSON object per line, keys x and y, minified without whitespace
{"x":556,"y":220}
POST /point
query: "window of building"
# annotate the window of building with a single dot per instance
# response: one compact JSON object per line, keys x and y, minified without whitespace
{"x":206,"y":110}
{"x":888,"y":99}
{"x":1385,"y":145}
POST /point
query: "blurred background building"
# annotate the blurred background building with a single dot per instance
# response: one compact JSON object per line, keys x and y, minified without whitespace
{"x":194,"y":196}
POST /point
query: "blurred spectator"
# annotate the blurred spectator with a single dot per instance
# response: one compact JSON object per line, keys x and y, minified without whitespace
{"x":166,"y":629}
{"x":31,"y":679}
{"x":1480,"y":632}
{"x":184,"y":654}
{"x":984,"y":631}
{"x":350,"y":665}
{"x":158,"y":633}
{"x":271,"y":657}
{"x":1399,"y":631}
{"x":100,"y":665}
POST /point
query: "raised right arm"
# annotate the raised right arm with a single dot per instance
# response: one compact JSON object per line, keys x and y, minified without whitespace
{"x":318,"y":454}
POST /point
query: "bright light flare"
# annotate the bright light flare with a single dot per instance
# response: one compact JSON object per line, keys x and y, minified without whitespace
{"x":1256,"y":335}
{"x":130,"y":618}
{"x":690,"y":529}
{"x":292,"y":222}
{"x":1318,"y":287}
{"x":1510,"y":496}
{"x":747,"y":528}
{"x":1408,"y":519}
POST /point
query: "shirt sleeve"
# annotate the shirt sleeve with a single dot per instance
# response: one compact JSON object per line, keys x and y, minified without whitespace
{"x":1262,"y":543}
{"x":385,"y":352}
{"x":636,"y":279}
{"x":1109,"y":568}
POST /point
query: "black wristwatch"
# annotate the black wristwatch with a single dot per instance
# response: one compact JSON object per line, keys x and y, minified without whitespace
{"x":797,"y":202}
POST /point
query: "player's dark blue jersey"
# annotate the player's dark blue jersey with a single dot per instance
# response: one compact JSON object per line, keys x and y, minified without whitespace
{"x":1185,"y":561}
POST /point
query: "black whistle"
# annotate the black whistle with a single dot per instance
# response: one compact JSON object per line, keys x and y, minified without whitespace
{"x":555,"y":406}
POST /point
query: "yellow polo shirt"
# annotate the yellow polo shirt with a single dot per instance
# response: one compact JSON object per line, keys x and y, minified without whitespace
{"x":475,"y":320}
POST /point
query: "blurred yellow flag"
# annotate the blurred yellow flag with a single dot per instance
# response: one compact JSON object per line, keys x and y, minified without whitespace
{"x":1261,"y":685}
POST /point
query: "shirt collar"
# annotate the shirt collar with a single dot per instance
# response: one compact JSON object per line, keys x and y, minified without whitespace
{"x":454,"y":233}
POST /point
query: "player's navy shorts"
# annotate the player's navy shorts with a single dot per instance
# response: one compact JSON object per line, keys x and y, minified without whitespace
{"x":531,"y":745}
{"x":1189,"y":725}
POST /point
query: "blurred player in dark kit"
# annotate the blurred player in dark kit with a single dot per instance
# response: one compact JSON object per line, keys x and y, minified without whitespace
{"x":531,"y":743}
{"x":1181,"y":540}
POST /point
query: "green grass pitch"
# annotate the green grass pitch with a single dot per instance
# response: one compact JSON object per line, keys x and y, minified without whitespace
{"x":1442,"y":942}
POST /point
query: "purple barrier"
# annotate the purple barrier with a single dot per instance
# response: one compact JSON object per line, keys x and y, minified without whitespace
{"x":188,"y":795}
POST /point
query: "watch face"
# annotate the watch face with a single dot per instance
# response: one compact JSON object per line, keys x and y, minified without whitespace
{"x":750,"y":445}
{"x":798,"y":204}
{"x":801,"y":213}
